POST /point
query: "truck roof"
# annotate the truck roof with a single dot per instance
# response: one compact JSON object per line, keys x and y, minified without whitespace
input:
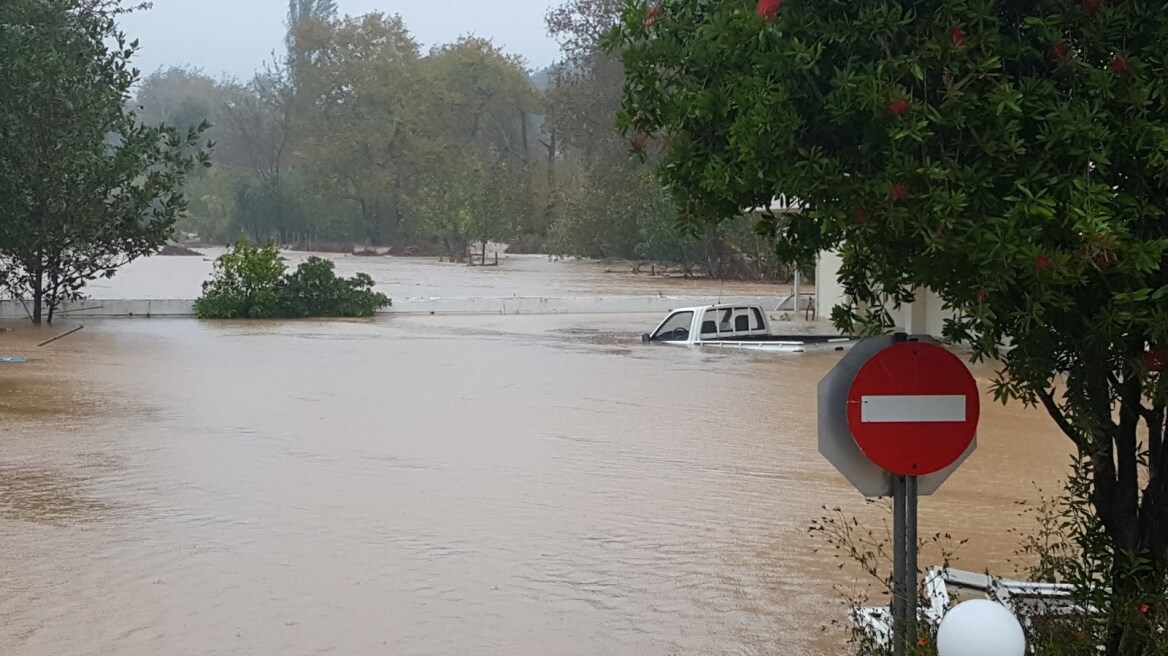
{"x":716,"y":306}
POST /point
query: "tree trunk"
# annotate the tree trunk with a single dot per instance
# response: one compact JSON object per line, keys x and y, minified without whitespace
{"x":1135,"y":524}
{"x":53,"y":293}
{"x":550,"y":210}
{"x":523,"y":126}
{"x":38,"y":292}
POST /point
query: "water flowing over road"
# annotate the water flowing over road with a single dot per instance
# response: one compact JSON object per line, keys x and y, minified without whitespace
{"x":437,"y":485}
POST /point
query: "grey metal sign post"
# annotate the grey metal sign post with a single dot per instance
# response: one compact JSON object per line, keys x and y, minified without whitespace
{"x":904,"y":569}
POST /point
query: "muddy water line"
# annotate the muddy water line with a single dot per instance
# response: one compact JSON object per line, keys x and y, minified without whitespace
{"x":424,"y":486}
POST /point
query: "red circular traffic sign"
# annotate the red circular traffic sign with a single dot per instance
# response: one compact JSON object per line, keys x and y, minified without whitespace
{"x":913,"y":408}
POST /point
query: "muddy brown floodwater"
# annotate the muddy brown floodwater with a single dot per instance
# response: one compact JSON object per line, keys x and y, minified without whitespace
{"x":437,"y":486}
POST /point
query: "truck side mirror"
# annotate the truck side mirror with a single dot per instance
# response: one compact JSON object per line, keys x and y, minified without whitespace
{"x":645,"y":338}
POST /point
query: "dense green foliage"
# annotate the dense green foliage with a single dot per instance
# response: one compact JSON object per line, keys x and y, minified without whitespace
{"x":85,"y":186}
{"x":358,"y":136}
{"x":251,"y":282}
{"x":1008,"y":156}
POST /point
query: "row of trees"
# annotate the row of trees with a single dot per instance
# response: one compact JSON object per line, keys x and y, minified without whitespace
{"x":355,"y":135}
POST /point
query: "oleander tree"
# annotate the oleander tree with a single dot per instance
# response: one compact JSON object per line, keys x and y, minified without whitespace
{"x":1009,"y":156}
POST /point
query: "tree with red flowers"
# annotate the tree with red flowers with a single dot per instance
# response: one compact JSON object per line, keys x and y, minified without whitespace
{"x":1010,"y":157}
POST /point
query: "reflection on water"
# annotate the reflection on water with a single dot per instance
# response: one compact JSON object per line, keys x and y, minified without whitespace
{"x":430,"y":485}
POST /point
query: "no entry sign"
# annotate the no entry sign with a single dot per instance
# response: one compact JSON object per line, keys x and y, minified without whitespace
{"x":897,"y":416}
{"x":913,"y":408}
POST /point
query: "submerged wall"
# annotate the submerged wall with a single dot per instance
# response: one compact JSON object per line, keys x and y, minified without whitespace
{"x":96,"y":308}
{"x":10,"y":310}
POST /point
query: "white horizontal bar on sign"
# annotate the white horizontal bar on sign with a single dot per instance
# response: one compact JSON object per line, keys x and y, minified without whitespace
{"x":912,"y":408}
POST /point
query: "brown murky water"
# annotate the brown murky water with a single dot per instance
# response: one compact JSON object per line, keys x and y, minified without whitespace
{"x":436,"y":486}
{"x":518,"y":275}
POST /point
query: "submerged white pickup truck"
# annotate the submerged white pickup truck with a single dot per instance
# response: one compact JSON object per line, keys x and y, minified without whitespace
{"x":736,"y":326}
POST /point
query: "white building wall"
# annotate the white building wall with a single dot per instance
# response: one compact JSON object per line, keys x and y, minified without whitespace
{"x":923,"y":316}
{"x":828,"y":292}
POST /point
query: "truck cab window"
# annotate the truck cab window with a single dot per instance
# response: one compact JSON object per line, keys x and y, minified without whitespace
{"x":675,"y":328}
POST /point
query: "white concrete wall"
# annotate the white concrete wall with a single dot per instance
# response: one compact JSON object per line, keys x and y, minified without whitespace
{"x":828,"y":292}
{"x":12,"y":310}
{"x":924,"y":316}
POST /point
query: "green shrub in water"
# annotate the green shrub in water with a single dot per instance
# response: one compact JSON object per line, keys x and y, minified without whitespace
{"x":314,"y":290}
{"x":251,"y":282}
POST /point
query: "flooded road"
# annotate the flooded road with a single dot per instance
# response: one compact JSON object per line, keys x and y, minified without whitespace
{"x":517,"y":275}
{"x":437,"y":486}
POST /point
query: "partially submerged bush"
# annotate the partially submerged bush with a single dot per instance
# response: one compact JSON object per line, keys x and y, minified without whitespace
{"x":314,"y":290}
{"x":250,"y":282}
{"x":1065,"y":545}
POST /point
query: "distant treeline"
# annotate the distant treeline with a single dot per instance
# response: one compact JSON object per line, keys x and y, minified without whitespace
{"x":356,"y":135}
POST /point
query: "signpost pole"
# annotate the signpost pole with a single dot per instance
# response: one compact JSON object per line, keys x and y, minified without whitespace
{"x":904,"y":564}
{"x":899,"y":566}
{"x":910,"y":580}
{"x":900,"y":603}
{"x":795,"y":293}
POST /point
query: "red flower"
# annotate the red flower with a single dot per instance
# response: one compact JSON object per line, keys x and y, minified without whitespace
{"x":899,"y":192}
{"x":958,"y":36}
{"x":1059,"y":50}
{"x":653,"y":15}
{"x":1121,"y":66}
{"x":1042,"y":262}
{"x":1092,"y":6}
{"x":1144,"y":608}
{"x":768,"y":8}
{"x":860,"y":216}
{"x":1104,"y":259}
{"x":638,"y":144}
{"x":1155,"y":359}
{"x":898,"y":107}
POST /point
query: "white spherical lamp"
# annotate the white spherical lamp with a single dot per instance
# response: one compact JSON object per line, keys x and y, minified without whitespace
{"x":980,"y":627}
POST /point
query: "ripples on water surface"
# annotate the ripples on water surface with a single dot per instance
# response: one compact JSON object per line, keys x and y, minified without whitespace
{"x":497,"y":485}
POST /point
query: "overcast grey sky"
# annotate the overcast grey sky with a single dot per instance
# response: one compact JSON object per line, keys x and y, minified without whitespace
{"x":235,"y":37}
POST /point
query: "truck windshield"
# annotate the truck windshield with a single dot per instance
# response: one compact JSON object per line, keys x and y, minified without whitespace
{"x":675,"y":328}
